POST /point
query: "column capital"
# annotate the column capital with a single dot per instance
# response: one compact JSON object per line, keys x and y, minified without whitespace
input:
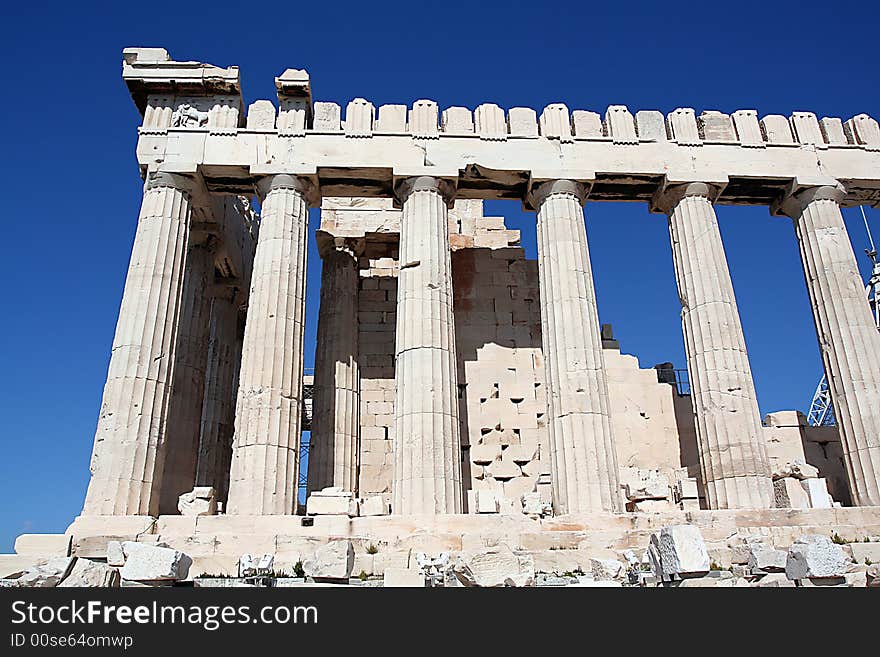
{"x":539,"y":191}
{"x":671,"y":194}
{"x":443,"y":186}
{"x":328,"y":244}
{"x":178,"y":181}
{"x":301,"y":184}
{"x":799,"y":196}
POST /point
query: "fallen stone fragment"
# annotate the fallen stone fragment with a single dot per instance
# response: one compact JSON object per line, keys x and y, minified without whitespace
{"x":765,"y":559}
{"x":795,"y":470}
{"x":115,"y":555}
{"x":47,"y":573}
{"x":144,"y":562}
{"x":496,"y":566}
{"x":335,"y":560}
{"x":200,"y":501}
{"x":681,"y":551}
{"x":813,"y":556}
{"x":91,"y":574}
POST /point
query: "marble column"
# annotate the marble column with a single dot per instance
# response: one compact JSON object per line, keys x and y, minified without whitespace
{"x":218,"y":409}
{"x":848,"y":339}
{"x":264,"y":477}
{"x":733,"y":455}
{"x":583,"y":459}
{"x":188,"y":387}
{"x":333,"y":449}
{"x":427,"y":448}
{"x":128,"y":457}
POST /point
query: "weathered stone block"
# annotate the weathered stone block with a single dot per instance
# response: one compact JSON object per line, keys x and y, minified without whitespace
{"x":145,"y":562}
{"x":200,"y":501}
{"x":680,"y":550}
{"x":49,"y":572}
{"x":91,"y":574}
{"x":335,"y":560}
{"x":496,"y":566}
{"x":44,"y":545}
{"x":814,"y":556}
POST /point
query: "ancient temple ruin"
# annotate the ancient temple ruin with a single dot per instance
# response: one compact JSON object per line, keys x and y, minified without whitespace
{"x":461,"y":390}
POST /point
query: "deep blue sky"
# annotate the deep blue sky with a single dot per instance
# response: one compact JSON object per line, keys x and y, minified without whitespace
{"x":73,"y":191}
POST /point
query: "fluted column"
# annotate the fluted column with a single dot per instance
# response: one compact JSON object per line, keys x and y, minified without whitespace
{"x":264,"y":478}
{"x":188,"y":388}
{"x":128,"y":456}
{"x":427,"y":461}
{"x":848,"y":338}
{"x":583,"y":458}
{"x":333,"y":449}
{"x":733,"y":455}
{"x":217,"y":413}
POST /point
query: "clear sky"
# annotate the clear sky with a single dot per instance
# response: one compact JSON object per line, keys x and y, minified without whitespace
{"x":73,"y":190}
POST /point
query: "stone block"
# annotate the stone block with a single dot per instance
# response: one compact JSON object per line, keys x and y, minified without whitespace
{"x":790,"y":494}
{"x":495,"y":566}
{"x":814,"y":556}
{"x":403,"y":578}
{"x":765,"y":559}
{"x":331,"y":501}
{"x":145,"y":562}
{"x":523,"y":122}
{"x":374,"y":506}
{"x":817,"y":491}
{"x":335,"y":560}
{"x":651,"y":125}
{"x":44,"y":545}
{"x":865,"y":552}
{"x":91,"y":574}
{"x":717,"y":127}
{"x":643,"y":484}
{"x":115,"y":555}
{"x":327,"y":117}
{"x":261,"y":115}
{"x":486,"y":501}
{"x":484,"y":454}
{"x":200,"y":501}
{"x":795,"y":470}
{"x":686,"y":489}
{"x":681,"y":550}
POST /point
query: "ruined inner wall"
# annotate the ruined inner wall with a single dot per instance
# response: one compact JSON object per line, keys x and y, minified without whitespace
{"x":505,"y":442}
